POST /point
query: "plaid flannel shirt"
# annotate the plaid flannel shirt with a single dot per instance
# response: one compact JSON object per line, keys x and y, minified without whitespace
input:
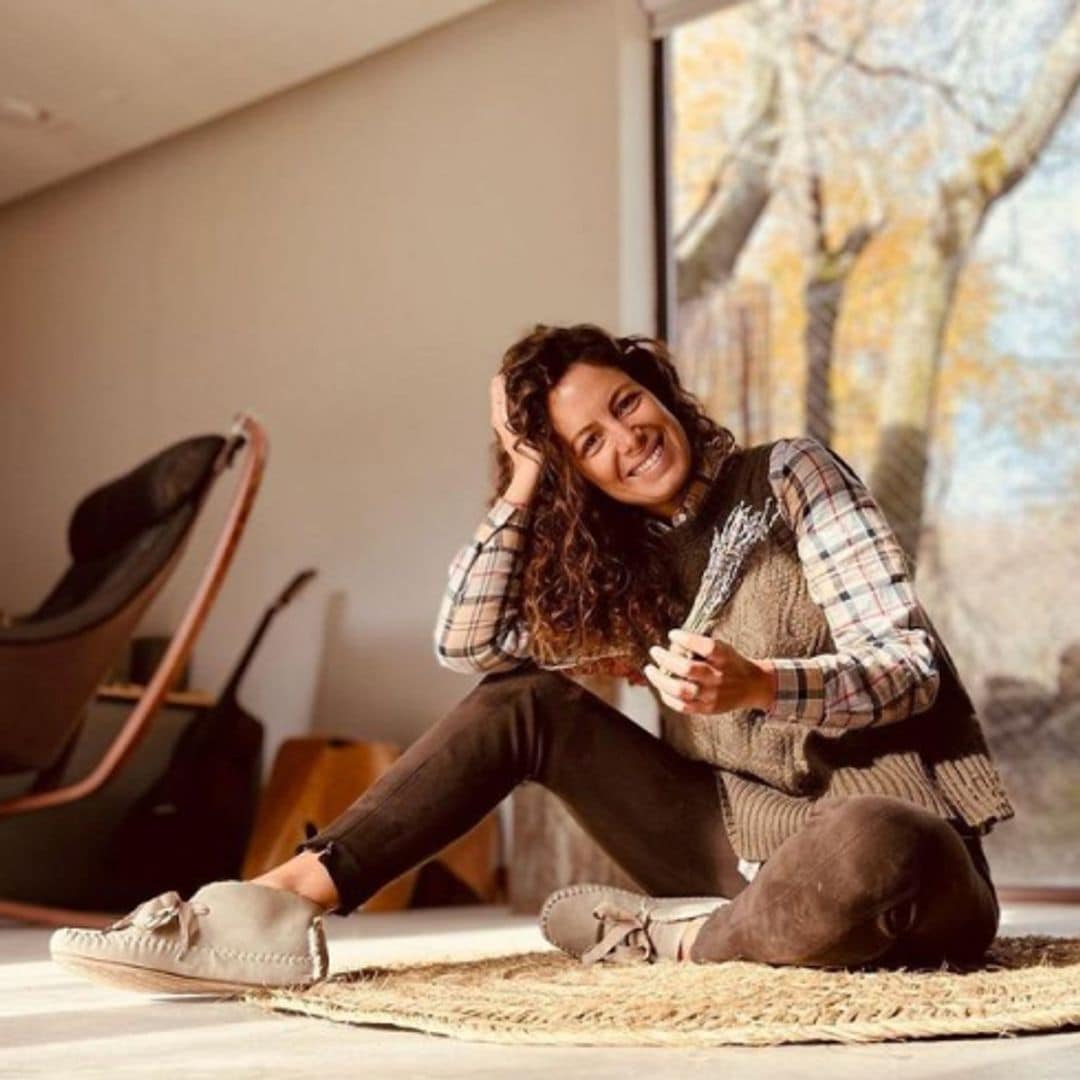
{"x":884,"y":668}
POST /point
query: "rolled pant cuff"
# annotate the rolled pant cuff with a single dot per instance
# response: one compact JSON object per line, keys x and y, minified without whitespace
{"x":344,"y":872}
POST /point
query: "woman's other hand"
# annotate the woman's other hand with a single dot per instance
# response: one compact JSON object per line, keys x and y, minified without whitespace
{"x":701,"y":674}
{"x":525,"y":457}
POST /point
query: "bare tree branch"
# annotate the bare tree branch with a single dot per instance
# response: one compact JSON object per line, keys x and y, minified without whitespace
{"x":961,"y":204}
{"x":1008,"y":158}
{"x":947,"y":92}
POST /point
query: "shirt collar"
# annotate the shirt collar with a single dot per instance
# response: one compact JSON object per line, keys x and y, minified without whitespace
{"x":713,"y":457}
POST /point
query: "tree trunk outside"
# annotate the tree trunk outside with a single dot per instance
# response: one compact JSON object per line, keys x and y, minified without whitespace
{"x":823,"y":298}
{"x":898,"y":476}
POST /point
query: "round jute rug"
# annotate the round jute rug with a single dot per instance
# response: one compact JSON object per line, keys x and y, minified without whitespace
{"x":1025,"y":984}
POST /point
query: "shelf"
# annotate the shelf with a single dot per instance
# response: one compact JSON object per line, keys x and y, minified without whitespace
{"x":191,"y":699}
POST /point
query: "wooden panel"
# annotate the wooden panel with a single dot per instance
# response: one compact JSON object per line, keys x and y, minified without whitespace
{"x":550,"y":848}
{"x":315,"y":778}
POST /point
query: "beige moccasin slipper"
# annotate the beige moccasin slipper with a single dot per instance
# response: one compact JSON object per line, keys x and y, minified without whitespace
{"x":603,"y":923}
{"x":230,"y":937}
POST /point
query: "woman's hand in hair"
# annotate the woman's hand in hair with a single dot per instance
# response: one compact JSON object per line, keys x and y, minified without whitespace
{"x":703,"y":675}
{"x":525,"y":457}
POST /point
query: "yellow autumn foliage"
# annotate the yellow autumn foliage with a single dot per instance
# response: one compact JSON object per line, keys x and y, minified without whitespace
{"x":712,"y":82}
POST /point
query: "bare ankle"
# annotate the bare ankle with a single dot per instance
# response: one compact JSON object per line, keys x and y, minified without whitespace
{"x":689,"y":936}
{"x":305,"y":875}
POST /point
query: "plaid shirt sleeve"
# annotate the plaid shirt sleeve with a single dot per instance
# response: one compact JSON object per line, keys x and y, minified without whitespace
{"x":478,"y":627}
{"x":856,"y":571}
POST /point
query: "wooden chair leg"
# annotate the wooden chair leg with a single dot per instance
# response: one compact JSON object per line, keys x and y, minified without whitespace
{"x":54,"y":916}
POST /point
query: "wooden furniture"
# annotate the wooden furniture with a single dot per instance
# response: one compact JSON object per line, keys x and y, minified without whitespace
{"x":52,"y":661}
{"x":315,"y":778}
{"x":184,"y":699}
{"x":80,"y":837}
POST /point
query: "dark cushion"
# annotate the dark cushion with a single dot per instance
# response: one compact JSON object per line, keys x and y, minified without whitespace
{"x":94,"y":589}
{"x":112,"y":516}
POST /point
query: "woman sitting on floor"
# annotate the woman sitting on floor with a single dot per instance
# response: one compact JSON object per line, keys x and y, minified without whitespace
{"x":822,"y":784}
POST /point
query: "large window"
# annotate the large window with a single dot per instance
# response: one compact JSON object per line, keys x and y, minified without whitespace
{"x":873,"y":214}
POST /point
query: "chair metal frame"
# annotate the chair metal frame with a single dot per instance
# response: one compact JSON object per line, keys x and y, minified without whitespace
{"x":248,"y":434}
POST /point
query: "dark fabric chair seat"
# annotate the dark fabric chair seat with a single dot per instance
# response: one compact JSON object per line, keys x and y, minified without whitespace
{"x":124,"y":538}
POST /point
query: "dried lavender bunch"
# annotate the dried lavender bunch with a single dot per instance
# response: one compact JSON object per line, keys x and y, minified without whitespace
{"x":744,"y":528}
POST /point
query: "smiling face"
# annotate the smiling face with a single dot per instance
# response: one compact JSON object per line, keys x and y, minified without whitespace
{"x":621,"y":438}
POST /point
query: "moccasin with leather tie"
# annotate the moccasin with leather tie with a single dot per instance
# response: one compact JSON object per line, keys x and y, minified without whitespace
{"x":602,"y":923}
{"x":230,"y":937}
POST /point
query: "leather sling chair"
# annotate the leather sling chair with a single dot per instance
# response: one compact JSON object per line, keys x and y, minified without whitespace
{"x":126,"y":538}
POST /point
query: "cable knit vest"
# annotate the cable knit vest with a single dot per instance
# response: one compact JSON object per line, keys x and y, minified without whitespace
{"x":770,"y":773}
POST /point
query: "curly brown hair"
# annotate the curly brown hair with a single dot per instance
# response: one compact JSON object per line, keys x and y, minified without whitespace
{"x":595,"y":584}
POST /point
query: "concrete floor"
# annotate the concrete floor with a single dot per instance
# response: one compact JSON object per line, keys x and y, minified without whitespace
{"x":54,"y":1024}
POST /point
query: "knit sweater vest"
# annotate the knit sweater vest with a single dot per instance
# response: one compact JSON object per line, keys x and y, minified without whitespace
{"x":770,"y":773}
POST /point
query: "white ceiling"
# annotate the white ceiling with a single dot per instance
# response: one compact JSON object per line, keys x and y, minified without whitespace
{"x":84,"y":81}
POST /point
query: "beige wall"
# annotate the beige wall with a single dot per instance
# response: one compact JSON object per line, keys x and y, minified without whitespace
{"x":348,"y":260}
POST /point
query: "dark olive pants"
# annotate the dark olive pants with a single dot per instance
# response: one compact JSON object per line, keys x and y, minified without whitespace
{"x":868,"y":879}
